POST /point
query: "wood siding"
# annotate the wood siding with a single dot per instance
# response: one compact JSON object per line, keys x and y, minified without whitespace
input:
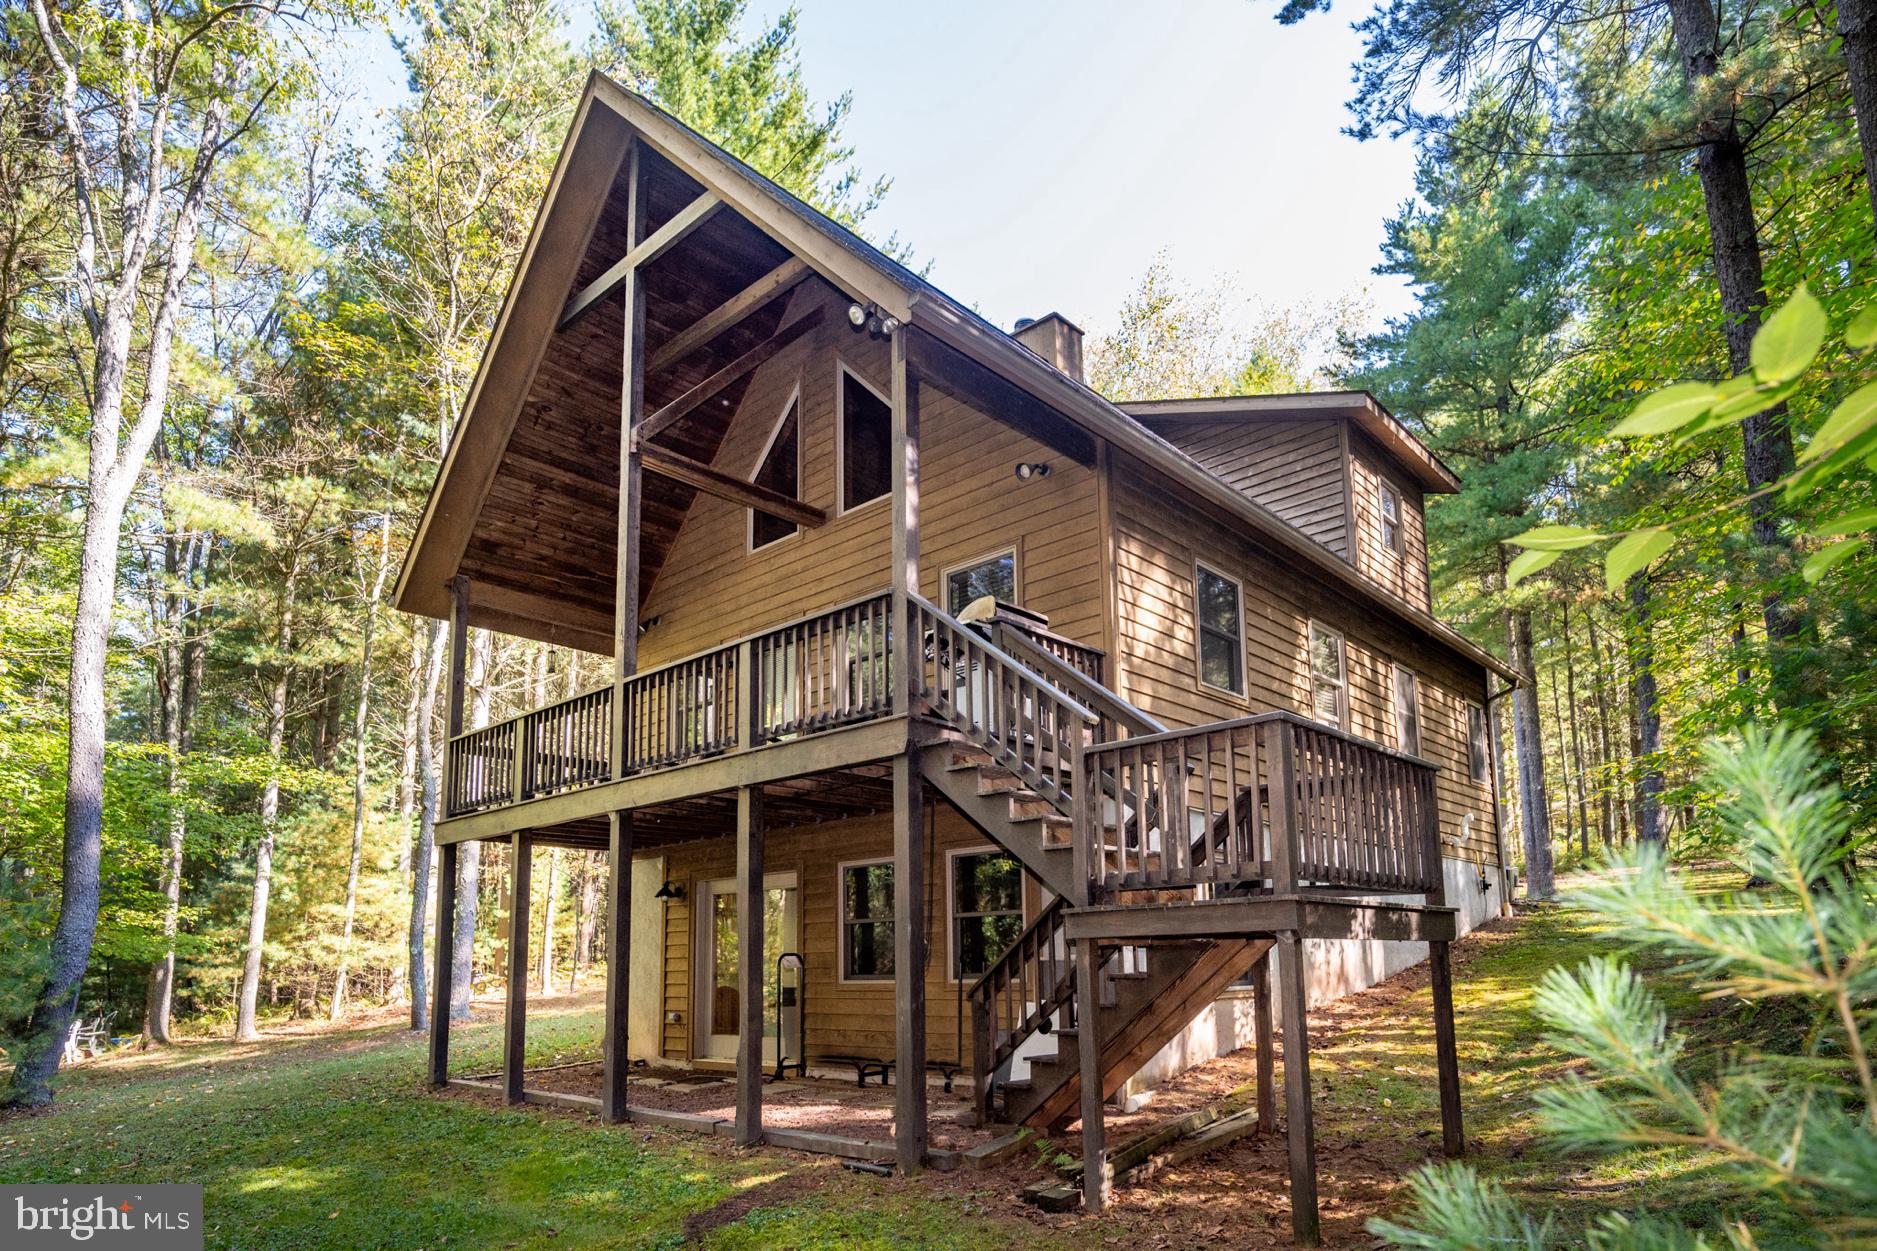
{"x":844,"y":1018}
{"x":1159,"y":539}
{"x":1403,"y":572}
{"x":1293,"y":468}
{"x":971,"y":504}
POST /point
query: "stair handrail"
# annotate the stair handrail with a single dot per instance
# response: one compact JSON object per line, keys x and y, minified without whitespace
{"x":1109,"y":705}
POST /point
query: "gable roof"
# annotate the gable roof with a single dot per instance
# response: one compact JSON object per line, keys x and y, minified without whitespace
{"x":607,"y":117}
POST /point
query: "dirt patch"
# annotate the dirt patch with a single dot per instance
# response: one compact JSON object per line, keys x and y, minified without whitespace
{"x":794,"y":1184}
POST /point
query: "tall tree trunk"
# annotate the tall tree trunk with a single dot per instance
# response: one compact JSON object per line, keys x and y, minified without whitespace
{"x":1534,"y":812}
{"x":1564,"y":763}
{"x":433,"y":649}
{"x":1648,"y":716}
{"x":180,"y":658}
{"x":1606,"y":744}
{"x":1721,"y":160}
{"x":245,"y":1030}
{"x":1857,"y":28}
{"x":361,"y":712}
{"x":547,"y":921}
{"x":1577,"y":741}
{"x":586,"y":917}
{"x":407,"y":764}
{"x":469,"y":856}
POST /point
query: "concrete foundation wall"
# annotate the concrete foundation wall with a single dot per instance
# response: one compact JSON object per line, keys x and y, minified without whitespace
{"x":1335,"y":969}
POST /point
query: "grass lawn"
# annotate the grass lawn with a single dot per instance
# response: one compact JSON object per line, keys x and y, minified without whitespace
{"x":329,"y":1139}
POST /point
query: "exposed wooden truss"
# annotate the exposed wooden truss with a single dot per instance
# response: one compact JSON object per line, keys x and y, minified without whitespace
{"x":663,"y":419}
{"x":782,"y":278}
{"x":729,"y":487}
{"x":662,"y":240}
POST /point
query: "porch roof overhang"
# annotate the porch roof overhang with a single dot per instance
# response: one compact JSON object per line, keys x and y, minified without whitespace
{"x":556,"y":261}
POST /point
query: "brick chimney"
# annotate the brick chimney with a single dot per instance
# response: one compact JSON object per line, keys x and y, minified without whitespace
{"x":1054,"y":338}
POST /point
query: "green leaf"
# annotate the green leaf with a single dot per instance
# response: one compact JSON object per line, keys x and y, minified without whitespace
{"x":1853,"y":522}
{"x":1633,"y":554}
{"x":1671,"y":408}
{"x":1856,"y":413}
{"x":1825,"y":559}
{"x":1862,"y":332}
{"x":1555,"y":538}
{"x":1525,"y":564}
{"x":1790,"y":338}
{"x":1758,"y":400}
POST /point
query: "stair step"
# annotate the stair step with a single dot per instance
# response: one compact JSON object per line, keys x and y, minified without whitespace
{"x":994,"y":780}
{"x":969,"y":756}
{"x":1025,"y":805}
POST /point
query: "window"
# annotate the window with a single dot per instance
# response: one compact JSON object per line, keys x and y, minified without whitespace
{"x":1479,"y":745}
{"x":780,"y":469}
{"x":1391,"y":518}
{"x":866,"y":442}
{"x":986,"y":908}
{"x":1329,"y":680}
{"x":1221,"y":640}
{"x":867,"y":921}
{"x":1407,"y":712}
{"x":994,"y":575}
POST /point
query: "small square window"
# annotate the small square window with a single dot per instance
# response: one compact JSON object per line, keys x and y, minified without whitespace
{"x":995,"y":576}
{"x":1221,"y":632}
{"x":867,"y":921}
{"x":866,"y":443}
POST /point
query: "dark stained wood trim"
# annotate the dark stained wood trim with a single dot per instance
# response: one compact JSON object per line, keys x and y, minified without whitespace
{"x":666,"y":237}
{"x":1298,"y":1116}
{"x":751,"y":965}
{"x":905,"y":471}
{"x":459,"y":651}
{"x":1096,"y":1173}
{"x":615,"y":1043}
{"x":964,"y":379}
{"x":446,"y":952}
{"x":782,"y":278}
{"x":725,"y":486}
{"x":665,"y":417}
{"x":1340,"y":919}
{"x":910,"y":1129}
{"x":515,"y":1013}
{"x":628,"y":531}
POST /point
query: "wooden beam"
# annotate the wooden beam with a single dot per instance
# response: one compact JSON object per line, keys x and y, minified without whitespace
{"x":459,"y":652}
{"x":905,"y":451}
{"x":446,"y":952}
{"x":749,"y":965}
{"x":910,"y":1131}
{"x":728,"y":486}
{"x":956,"y":374}
{"x":515,"y":1015}
{"x":631,"y":479}
{"x":1096,"y":1176}
{"x":618,"y":969}
{"x":662,"y":420}
{"x":1267,"y":1045}
{"x":1297,"y":1111}
{"x":666,"y":237}
{"x":1446,"y":1052}
{"x":782,"y":278}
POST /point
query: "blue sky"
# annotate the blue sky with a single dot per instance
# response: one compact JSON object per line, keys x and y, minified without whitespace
{"x":1042,"y":153}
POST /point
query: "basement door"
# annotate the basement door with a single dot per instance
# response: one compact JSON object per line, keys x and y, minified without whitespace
{"x":719,"y":1005}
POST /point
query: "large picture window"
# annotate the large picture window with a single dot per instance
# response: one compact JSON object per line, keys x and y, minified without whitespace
{"x":994,"y":575}
{"x":867,"y":921}
{"x":866,"y":442}
{"x":1221,"y":632}
{"x":1329,"y":678}
{"x":986,"y":910}
{"x":780,"y":470}
{"x":1407,"y":711}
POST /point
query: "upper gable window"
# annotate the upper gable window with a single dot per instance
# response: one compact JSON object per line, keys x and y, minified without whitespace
{"x":994,"y":575}
{"x":866,"y":442}
{"x":1329,"y":683}
{"x":780,"y":470}
{"x":1391,"y":518}
{"x":1221,"y":632}
{"x":1407,"y":711}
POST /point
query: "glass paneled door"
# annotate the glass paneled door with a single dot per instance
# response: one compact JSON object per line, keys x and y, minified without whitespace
{"x":719,"y":1005}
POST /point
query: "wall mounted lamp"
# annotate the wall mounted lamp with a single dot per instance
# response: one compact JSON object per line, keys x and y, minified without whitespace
{"x":1032,"y":469}
{"x":669,"y":891}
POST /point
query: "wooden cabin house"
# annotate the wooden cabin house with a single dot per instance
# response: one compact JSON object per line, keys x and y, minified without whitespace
{"x":1031,"y":722}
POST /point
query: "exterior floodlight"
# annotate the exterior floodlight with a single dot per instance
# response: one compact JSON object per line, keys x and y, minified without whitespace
{"x":1032,"y":469}
{"x":856,"y":315}
{"x":889,"y":326}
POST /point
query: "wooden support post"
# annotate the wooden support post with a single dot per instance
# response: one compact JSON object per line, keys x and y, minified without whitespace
{"x":1267,"y":1045}
{"x":631,"y":474}
{"x":454,"y":694}
{"x":905,"y":517}
{"x":1446,"y":1052}
{"x":1095,"y":1171}
{"x":515,"y":1016}
{"x":1297,"y":1113}
{"x":446,"y":952}
{"x":750,"y":965}
{"x":618,"y":966}
{"x":1280,"y":749}
{"x":981,"y":1046}
{"x":909,"y":956}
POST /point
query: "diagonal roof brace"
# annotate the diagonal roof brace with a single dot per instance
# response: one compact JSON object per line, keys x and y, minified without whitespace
{"x":662,"y":240}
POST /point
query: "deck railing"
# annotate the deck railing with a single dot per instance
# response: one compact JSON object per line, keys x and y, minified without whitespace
{"x":681,"y":711}
{"x":1273,"y":798}
{"x":551,"y":749}
{"x":825,"y":671}
{"x":1030,"y":988}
